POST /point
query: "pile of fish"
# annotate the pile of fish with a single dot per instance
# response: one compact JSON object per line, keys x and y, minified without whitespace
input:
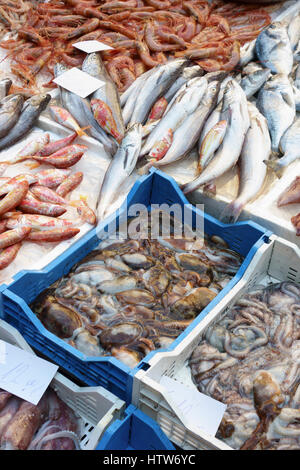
{"x":129,"y":297}
{"x":250,"y":360}
{"x":17,"y":117}
{"x":49,"y":425}
{"x":142,"y":34}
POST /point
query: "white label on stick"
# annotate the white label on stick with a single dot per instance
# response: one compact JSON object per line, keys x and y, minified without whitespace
{"x":78,"y":82}
{"x":23,"y":374}
{"x":194,"y":408}
{"x":91,"y":46}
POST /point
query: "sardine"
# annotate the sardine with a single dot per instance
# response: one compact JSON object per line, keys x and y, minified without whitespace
{"x":251,"y":83}
{"x":120,"y":167}
{"x":30,"y":113}
{"x":5,"y":85}
{"x":154,"y":88}
{"x":186,"y":103}
{"x":294,"y":31}
{"x":273,"y":48}
{"x":290,"y":147}
{"x":276,"y":102}
{"x":256,"y":150}
{"x":235,"y":112}
{"x":9,"y":114}
{"x":108,"y":93}
{"x":188,"y":133}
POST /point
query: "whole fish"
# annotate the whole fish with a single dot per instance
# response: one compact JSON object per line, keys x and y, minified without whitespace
{"x":52,"y":147}
{"x":210,"y":144}
{"x":5,"y":85}
{"x":289,"y":146}
{"x":108,"y":93}
{"x":276,"y":102}
{"x":256,"y":150}
{"x":70,"y":183}
{"x":210,"y":122}
{"x":291,"y":195}
{"x":251,"y":83}
{"x":54,"y":235}
{"x":120,"y":167}
{"x":37,"y":222}
{"x":273,"y":48}
{"x":104,"y":116}
{"x":187,"y":134}
{"x":51,"y":178}
{"x":135,"y":86}
{"x":14,"y":182}
{"x":8,"y":255}
{"x":294,"y":31}
{"x":31,"y":205}
{"x":63,"y":117}
{"x":61,"y":162}
{"x":185,"y":104}
{"x":154,"y":87}
{"x":235,"y":112}
{"x":10,"y":237}
{"x":187,"y":74}
{"x":14,"y":197}
{"x":45,"y":194}
{"x":9,"y":113}
{"x":30,"y":113}
{"x":81,"y":110}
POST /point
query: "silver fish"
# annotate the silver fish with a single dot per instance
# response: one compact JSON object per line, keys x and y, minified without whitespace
{"x":5,"y":85}
{"x":276,"y":102}
{"x":108,"y":93}
{"x":190,"y":83}
{"x":235,"y":112}
{"x":256,"y":149}
{"x":186,"y":103}
{"x":155,"y":86}
{"x":252,"y":67}
{"x":273,"y":48}
{"x":132,"y":89}
{"x":9,"y":113}
{"x":80,"y":109}
{"x":188,"y":133}
{"x":294,"y":31}
{"x":290,"y":147}
{"x":247,"y":53}
{"x":251,"y":83}
{"x":120,"y":167}
{"x":187,"y":74}
{"x":32,"y":108}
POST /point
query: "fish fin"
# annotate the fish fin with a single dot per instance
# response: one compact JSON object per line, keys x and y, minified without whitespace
{"x":81,"y":132}
{"x":231,"y":212}
{"x":274,"y":166}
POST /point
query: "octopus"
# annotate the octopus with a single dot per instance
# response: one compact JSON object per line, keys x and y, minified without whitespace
{"x":130,"y":297}
{"x":250,"y":360}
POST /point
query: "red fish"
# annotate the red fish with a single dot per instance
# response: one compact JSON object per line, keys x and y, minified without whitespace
{"x":104,"y":116}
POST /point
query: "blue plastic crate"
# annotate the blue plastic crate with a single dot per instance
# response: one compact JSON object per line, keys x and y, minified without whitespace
{"x":135,"y":432}
{"x":155,"y":188}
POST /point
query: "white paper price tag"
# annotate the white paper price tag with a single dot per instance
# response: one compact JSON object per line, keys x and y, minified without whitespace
{"x":91,"y":46}
{"x":78,"y":82}
{"x":23,"y":374}
{"x":202,"y":412}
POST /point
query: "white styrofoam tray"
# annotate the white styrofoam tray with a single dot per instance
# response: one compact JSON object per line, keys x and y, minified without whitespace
{"x":94,"y":407}
{"x":274,"y":262}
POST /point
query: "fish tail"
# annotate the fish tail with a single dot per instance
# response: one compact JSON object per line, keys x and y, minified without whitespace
{"x":80,"y":131}
{"x":275,"y":166}
{"x":231,"y":212}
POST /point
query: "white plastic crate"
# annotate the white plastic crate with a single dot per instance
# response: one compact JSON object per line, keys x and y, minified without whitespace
{"x":274,"y":262}
{"x":94,"y":406}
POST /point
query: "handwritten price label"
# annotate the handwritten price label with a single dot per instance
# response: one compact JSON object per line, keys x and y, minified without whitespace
{"x":23,"y":374}
{"x":193,"y":407}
